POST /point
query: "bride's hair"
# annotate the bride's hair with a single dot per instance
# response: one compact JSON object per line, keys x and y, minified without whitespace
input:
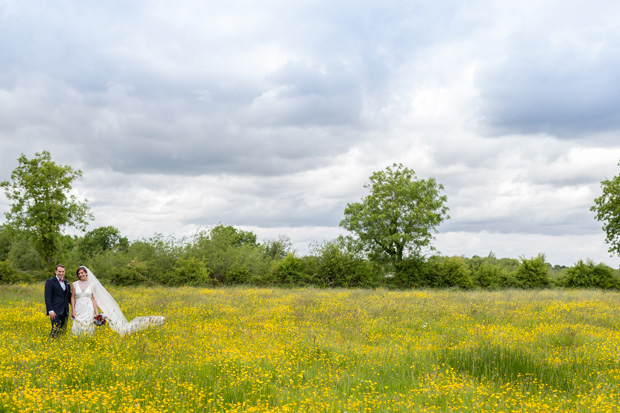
{"x":83,"y":268}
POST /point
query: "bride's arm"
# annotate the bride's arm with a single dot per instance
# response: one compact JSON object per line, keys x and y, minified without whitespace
{"x":73,"y":303}
{"x":94,"y":300}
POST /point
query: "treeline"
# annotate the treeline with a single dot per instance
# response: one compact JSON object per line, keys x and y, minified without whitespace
{"x":224,"y":256}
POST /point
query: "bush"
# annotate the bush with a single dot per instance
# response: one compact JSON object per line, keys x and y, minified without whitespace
{"x":233,"y":256}
{"x":132,"y":274}
{"x":533,"y":273}
{"x":488,"y":276}
{"x":103,"y":264}
{"x":290,"y":271}
{"x":7,"y":272}
{"x":410,"y":273}
{"x":443,"y":272}
{"x":588,"y":275}
{"x":159,"y":254}
{"x":339,"y":268}
{"x":277,"y":248}
{"x":5,"y":242}
{"x":24,"y":256}
{"x":101,"y":239}
{"x":190,"y":271}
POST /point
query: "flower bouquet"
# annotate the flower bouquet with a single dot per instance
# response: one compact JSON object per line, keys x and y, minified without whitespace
{"x":100,"y":319}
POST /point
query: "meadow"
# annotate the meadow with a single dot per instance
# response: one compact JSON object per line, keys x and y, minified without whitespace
{"x":311,"y":350}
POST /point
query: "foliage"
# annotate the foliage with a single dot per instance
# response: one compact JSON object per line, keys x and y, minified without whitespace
{"x":444,"y":272}
{"x":7,"y":273}
{"x":23,"y":255}
{"x":399,"y":216}
{"x":607,"y":209}
{"x":493,"y":273}
{"x":488,"y":275}
{"x":278,"y":248}
{"x":158,"y":255}
{"x":5,"y":242}
{"x":134,"y":273}
{"x":103,"y":264}
{"x":337,"y":267}
{"x":589,"y":275}
{"x":190,"y":271}
{"x":290,"y":271}
{"x":233,"y":255}
{"x":410,"y":273}
{"x":533,"y":273}
{"x":41,"y":205}
{"x":102,"y":239}
{"x":234,"y":236}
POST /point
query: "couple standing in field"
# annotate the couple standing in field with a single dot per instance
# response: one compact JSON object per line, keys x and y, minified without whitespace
{"x":87,"y":297}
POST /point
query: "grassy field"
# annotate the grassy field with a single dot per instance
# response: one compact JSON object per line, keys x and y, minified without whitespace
{"x":307,"y":350}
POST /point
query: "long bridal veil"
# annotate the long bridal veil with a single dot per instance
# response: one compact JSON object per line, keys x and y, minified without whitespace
{"x":115,"y":317}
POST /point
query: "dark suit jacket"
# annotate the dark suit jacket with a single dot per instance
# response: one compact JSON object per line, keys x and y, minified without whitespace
{"x":56,"y":299}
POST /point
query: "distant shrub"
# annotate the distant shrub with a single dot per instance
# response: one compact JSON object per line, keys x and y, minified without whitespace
{"x":588,"y":275}
{"x":101,"y":239}
{"x":5,"y":242}
{"x":410,"y":273}
{"x":157,"y":256}
{"x":289,"y":271}
{"x":24,"y":256}
{"x":233,"y":256}
{"x":533,"y":273}
{"x":277,"y":248}
{"x":190,"y":271}
{"x":134,"y":273}
{"x":444,"y":272}
{"x":238,"y":274}
{"x":338,"y":267}
{"x":508,"y":280}
{"x":488,"y":276}
{"x":104,"y":264}
{"x":7,"y":272}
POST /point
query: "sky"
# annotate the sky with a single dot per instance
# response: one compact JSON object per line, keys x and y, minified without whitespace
{"x":271,"y":116}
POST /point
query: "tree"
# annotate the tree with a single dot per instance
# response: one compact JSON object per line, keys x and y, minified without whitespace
{"x":277,"y":248}
{"x":102,"y":239}
{"x":399,"y":216}
{"x":533,"y":272}
{"x":589,"y":275}
{"x":236,"y":237}
{"x":41,"y":205}
{"x":5,"y":243}
{"x":607,"y":208}
{"x":339,"y":267}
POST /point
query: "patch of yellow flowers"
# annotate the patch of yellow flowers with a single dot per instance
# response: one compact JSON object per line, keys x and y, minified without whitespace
{"x":272,"y":350}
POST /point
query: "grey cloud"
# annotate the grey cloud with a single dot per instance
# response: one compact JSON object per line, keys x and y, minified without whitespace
{"x":566,"y":90}
{"x":165,"y":108}
{"x":538,"y":222}
{"x":147,"y":94}
{"x":285,"y":213}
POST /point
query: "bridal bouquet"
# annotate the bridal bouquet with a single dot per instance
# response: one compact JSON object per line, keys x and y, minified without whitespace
{"x":99,"y":320}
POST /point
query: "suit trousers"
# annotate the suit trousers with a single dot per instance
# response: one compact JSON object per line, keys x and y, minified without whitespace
{"x":59,"y":325}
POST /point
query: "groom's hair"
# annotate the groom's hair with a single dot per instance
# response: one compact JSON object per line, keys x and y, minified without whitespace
{"x":60,"y":266}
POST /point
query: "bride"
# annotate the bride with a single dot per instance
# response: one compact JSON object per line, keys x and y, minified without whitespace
{"x":88,"y":294}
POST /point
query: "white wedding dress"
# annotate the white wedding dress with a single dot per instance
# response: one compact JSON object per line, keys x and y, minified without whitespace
{"x":84,"y":310}
{"x":114,"y":316}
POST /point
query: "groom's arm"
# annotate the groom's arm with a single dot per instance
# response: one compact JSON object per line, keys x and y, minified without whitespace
{"x":48,"y":299}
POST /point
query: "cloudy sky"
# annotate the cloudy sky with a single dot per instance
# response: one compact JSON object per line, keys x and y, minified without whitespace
{"x":271,"y":115}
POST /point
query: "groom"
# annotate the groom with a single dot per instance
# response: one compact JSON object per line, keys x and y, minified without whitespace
{"x":57,"y":296}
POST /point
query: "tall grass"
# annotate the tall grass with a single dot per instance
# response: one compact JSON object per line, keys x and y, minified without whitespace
{"x":271,"y":350}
